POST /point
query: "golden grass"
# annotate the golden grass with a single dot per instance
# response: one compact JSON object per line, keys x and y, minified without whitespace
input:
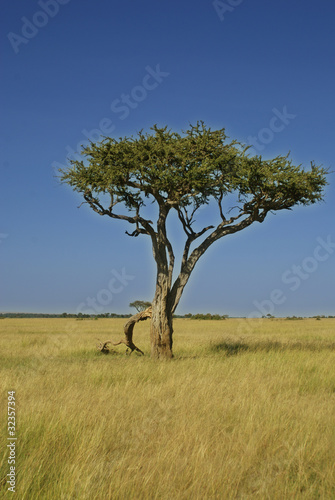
{"x":244,"y":410}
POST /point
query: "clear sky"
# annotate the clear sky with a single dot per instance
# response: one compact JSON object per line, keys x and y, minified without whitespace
{"x":264,"y":70}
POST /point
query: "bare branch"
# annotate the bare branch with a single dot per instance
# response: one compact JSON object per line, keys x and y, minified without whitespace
{"x":129,"y":330}
{"x":232,"y":208}
{"x":97,"y":207}
{"x":220,"y":206}
{"x":188,"y":230}
{"x":137,"y":232}
{"x":223,"y":229}
{"x":102,"y":346}
{"x":189,"y":241}
{"x":113,"y":203}
{"x":82,"y":203}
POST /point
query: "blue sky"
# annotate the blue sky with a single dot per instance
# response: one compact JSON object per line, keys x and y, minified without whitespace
{"x":263,"y":70}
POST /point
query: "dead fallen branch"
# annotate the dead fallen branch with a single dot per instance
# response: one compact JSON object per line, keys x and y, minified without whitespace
{"x":103,"y":346}
{"x":128,"y":333}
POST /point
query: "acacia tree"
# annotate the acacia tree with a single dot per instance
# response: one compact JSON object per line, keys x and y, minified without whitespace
{"x":140,"y":305}
{"x":181,"y":173}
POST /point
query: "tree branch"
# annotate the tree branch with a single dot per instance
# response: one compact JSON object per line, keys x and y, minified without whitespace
{"x":220,"y":206}
{"x":146,"y":224}
{"x":189,"y":262}
{"x":97,"y":207}
{"x":187,"y":228}
{"x":171,"y":259}
{"x":164,"y":247}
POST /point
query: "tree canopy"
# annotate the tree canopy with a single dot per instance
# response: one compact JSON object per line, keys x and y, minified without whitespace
{"x":189,"y":169}
{"x":140,"y":305}
{"x":186,"y":171}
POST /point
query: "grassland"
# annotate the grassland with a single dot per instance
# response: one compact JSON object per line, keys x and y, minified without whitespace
{"x":245,"y":410}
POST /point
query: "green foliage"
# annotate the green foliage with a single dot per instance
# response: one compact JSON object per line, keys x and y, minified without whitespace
{"x":140,"y":305}
{"x":190,"y":169}
{"x":207,"y":316}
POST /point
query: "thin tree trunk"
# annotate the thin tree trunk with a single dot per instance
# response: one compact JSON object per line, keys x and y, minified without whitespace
{"x":161,"y":321}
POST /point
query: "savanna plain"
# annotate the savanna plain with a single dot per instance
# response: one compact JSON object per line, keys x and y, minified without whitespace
{"x":246,"y":409}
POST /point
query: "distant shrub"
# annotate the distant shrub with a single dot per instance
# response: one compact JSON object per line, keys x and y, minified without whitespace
{"x":206,"y":316}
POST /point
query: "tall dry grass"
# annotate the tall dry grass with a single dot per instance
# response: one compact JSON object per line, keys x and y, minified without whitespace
{"x":244,"y":410}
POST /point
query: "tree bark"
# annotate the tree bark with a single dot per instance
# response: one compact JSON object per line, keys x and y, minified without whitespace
{"x":129,"y":330}
{"x":161,"y":330}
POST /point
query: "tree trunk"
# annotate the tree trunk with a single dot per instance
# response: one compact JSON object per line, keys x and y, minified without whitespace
{"x":161,"y":321}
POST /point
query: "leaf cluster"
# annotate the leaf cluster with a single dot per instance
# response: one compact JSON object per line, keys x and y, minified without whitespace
{"x":179,"y":170}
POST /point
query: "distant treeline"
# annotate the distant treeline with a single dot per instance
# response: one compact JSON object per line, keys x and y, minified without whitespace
{"x":205,"y":316}
{"x":63,"y":315}
{"x":105,"y":315}
{"x":315,"y":317}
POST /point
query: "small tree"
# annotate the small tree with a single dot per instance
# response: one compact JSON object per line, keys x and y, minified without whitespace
{"x":180,"y":174}
{"x":140,"y":305}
